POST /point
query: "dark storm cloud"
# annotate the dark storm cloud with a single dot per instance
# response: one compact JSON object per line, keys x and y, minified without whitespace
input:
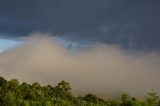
{"x":129,"y":23}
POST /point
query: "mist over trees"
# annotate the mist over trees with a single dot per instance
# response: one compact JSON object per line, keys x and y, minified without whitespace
{"x":12,"y":93}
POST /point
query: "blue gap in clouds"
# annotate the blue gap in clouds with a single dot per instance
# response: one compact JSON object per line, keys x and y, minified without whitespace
{"x":7,"y":44}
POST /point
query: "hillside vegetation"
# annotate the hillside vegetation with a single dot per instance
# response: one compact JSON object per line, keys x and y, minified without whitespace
{"x":14,"y":94}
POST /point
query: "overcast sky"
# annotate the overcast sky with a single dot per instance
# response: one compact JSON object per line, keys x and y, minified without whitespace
{"x":130,"y":23}
{"x":123,"y":37}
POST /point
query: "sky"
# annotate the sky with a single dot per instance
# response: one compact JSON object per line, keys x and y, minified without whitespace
{"x":7,"y":44}
{"x":132,"y":24}
{"x":117,"y":43}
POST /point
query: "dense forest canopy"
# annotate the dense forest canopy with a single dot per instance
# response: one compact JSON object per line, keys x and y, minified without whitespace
{"x":12,"y":93}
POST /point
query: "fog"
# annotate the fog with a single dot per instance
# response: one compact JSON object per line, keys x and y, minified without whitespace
{"x":103,"y":69}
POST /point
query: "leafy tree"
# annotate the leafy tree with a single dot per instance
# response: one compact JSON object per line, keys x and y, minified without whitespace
{"x":14,"y":94}
{"x":9,"y":99}
{"x":91,"y":98}
{"x":152,"y":98}
{"x":13,"y":85}
{"x":63,"y":90}
{"x":2,"y":81}
{"x":126,"y":101}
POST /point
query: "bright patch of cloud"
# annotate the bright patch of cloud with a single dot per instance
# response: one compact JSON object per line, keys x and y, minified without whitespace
{"x":7,"y":44}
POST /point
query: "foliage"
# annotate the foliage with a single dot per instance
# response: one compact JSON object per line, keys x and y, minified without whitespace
{"x":14,"y":94}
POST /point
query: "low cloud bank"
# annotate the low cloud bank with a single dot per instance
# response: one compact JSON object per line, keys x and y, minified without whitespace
{"x":102,"y":69}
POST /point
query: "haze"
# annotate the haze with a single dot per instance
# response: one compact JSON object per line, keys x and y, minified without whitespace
{"x":103,"y":69}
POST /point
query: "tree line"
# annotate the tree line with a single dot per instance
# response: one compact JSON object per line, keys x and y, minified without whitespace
{"x":12,"y":93}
